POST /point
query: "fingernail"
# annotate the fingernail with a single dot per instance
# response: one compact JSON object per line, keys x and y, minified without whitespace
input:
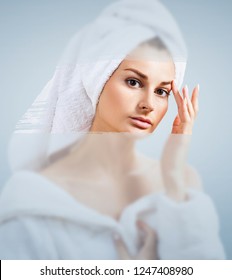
{"x":186,"y":87}
{"x":198,"y":87}
{"x":174,"y":82}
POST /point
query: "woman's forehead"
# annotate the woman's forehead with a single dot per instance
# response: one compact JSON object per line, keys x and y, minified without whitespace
{"x":148,"y":52}
{"x":148,"y":68}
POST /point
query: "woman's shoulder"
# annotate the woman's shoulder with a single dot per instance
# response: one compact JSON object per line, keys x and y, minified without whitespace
{"x":23,"y":179}
{"x":191,"y":176}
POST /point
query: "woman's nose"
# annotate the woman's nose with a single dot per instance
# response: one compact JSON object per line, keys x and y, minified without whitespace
{"x":146,"y":102}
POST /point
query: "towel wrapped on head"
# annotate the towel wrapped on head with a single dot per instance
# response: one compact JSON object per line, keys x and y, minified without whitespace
{"x":68,"y":102}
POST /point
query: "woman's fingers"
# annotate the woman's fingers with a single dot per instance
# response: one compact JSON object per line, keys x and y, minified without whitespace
{"x":184,"y":121}
{"x":183,"y":109}
{"x":176,"y":94}
{"x":187,"y":108}
{"x":188,"y":102}
{"x":150,"y":237}
{"x":194,"y":99}
{"x":149,"y":248}
{"x":181,"y":103}
{"x":121,"y":248}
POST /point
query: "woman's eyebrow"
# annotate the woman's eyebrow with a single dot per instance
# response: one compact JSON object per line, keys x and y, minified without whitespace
{"x":145,"y":77}
{"x":137,"y":72}
{"x":165,"y":83}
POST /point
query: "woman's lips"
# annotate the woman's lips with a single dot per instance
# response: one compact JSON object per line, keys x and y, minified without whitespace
{"x":141,"y":124}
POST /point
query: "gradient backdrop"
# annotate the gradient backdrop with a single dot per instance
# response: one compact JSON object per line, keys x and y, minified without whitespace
{"x":33,"y":35}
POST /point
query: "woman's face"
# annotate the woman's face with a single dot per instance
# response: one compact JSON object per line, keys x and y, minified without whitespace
{"x":135,"y":98}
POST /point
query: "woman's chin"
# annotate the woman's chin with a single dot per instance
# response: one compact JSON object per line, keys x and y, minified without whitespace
{"x":136,"y":133}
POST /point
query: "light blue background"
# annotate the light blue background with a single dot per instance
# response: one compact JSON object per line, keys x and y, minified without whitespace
{"x":33,"y":35}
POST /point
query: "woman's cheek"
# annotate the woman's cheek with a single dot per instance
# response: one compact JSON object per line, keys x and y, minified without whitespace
{"x":164,"y":108}
{"x":121,"y":95}
{"x":161,"y":109}
{"x":162,"y":103}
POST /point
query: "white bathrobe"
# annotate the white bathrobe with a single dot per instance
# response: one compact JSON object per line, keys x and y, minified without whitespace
{"x":39,"y":220}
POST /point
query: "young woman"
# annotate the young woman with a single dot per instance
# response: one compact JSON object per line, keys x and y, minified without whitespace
{"x":98,"y":198}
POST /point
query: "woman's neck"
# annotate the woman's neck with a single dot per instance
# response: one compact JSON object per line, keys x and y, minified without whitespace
{"x":112,"y":152}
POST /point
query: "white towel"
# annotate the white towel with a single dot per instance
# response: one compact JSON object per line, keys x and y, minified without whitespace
{"x":67,"y":103}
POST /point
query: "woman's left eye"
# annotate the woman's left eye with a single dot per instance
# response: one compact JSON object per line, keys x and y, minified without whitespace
{"x":162,"y":92}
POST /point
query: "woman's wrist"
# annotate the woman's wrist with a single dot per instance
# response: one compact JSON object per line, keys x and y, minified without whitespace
{"x":182,"y":129}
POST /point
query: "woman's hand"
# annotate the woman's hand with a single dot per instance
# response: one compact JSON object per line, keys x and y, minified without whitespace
{"x":187,"y":110}
{"x":148,"y":250}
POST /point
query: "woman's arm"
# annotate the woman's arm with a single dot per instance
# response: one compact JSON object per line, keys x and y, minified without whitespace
{"x":175,"y":152}
{"x":187,"y":222}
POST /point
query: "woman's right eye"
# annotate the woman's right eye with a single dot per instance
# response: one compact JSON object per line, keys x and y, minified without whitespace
{"x":133,"y":83}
